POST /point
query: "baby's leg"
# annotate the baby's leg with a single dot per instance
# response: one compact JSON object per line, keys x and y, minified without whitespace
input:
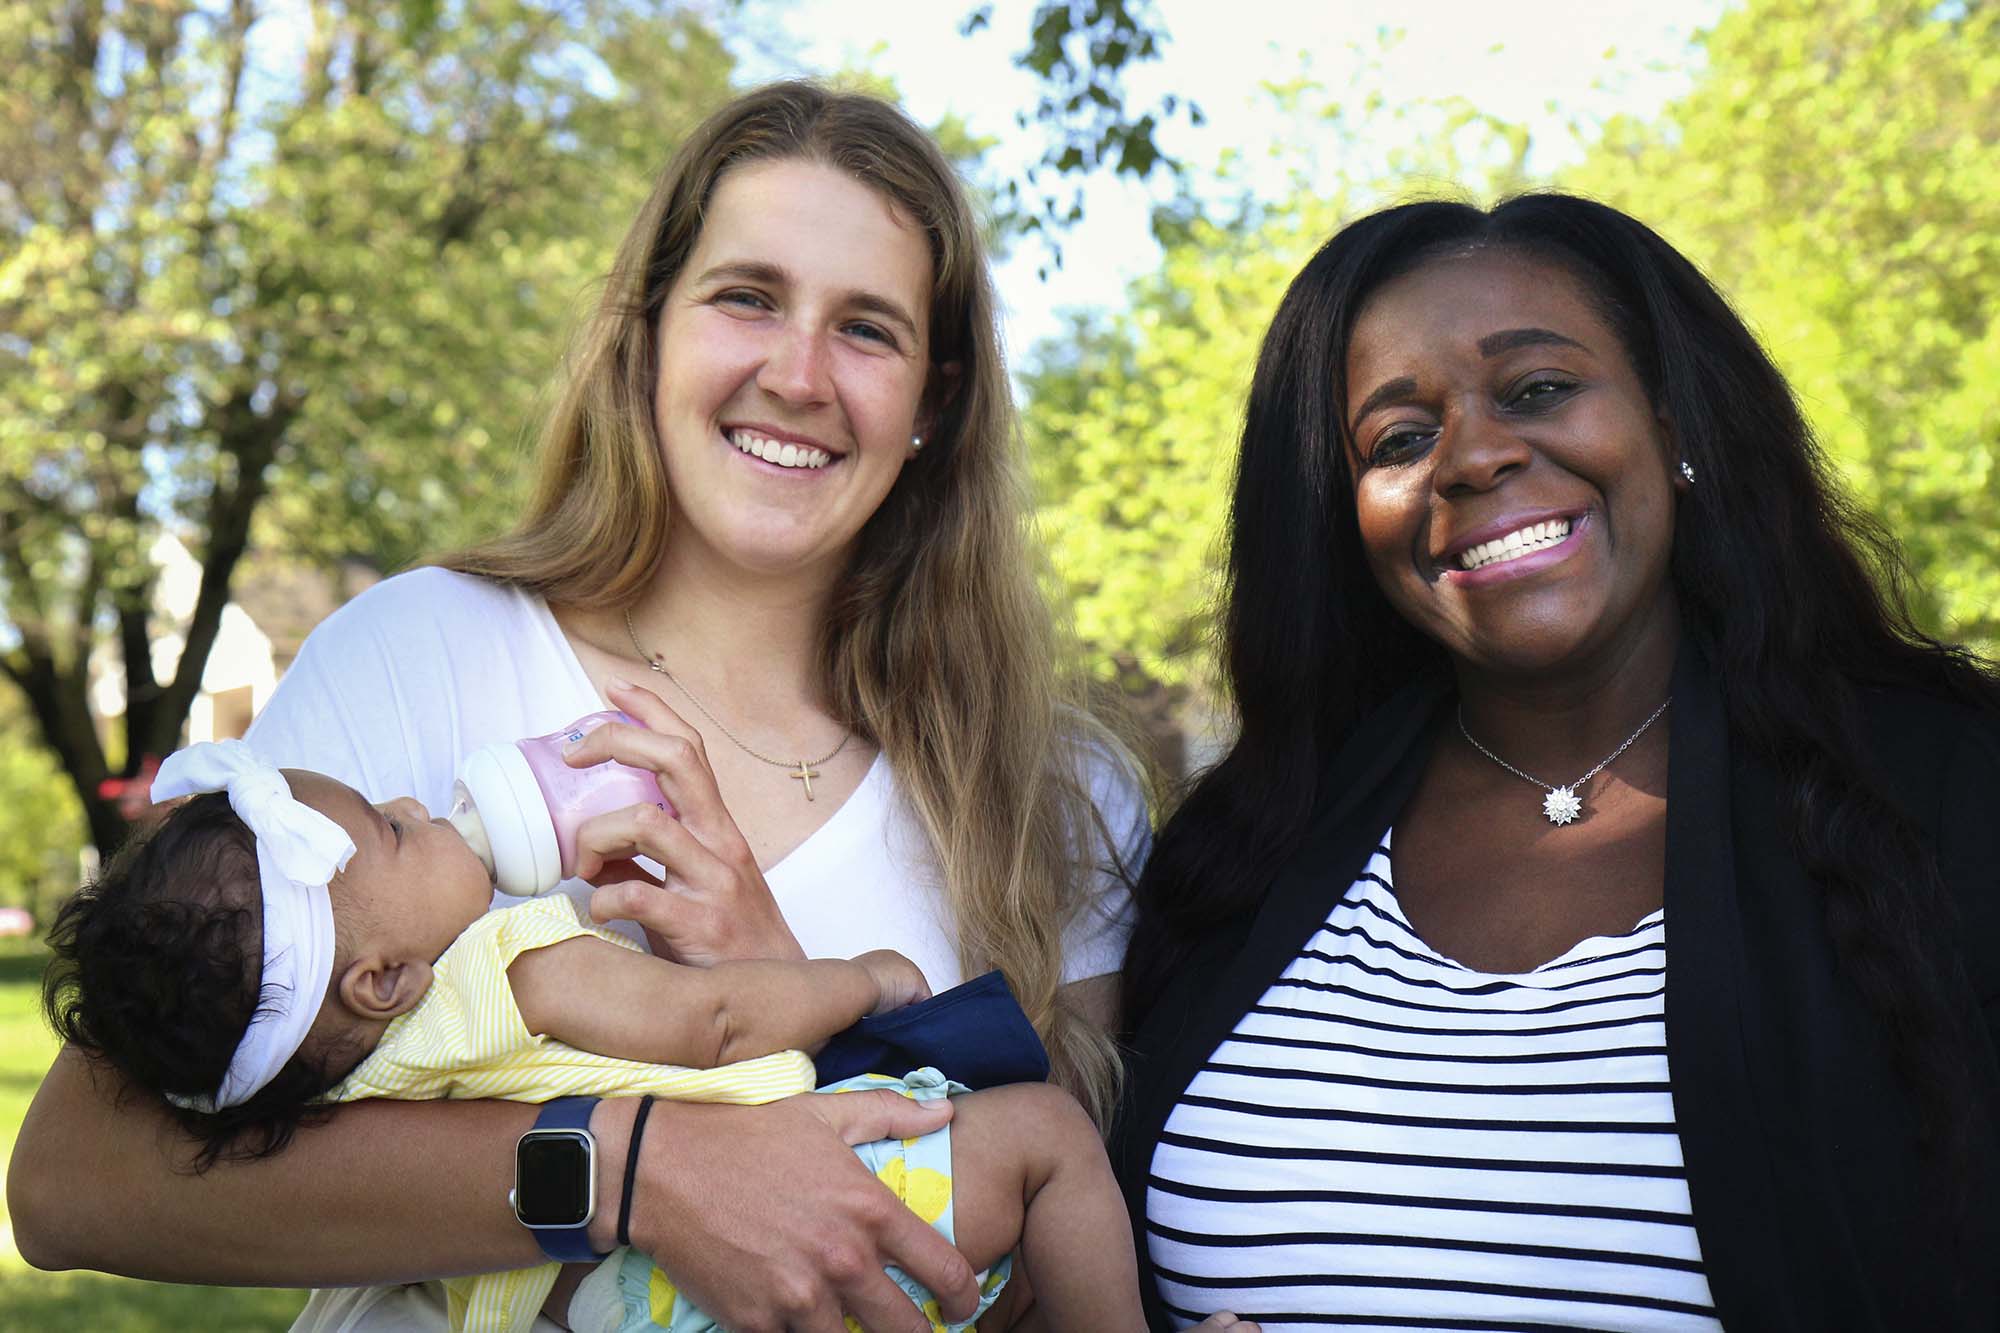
{"x":1027,"y":1167}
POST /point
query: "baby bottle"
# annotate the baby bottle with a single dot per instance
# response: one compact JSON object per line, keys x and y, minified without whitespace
{"x":518,"y":806}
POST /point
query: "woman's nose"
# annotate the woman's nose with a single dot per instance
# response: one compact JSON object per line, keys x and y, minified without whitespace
{"x":797,"y":368}
{"x":1475,"y":451}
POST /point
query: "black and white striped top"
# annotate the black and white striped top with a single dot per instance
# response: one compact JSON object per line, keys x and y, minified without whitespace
{"x":1390,"y":1140}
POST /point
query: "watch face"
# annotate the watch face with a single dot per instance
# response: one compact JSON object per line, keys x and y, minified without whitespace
{"x":553,"y":1177}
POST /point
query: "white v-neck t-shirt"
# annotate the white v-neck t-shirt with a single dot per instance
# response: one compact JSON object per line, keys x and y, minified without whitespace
{"x":394,"y":688}
{"x":391,"y":691}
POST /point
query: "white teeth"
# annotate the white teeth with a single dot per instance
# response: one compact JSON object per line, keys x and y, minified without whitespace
{"x":778,"y":451}
{"x":1533,"y":537}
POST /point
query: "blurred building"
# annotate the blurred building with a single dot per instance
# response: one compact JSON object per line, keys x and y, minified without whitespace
{"x":275,"y":604}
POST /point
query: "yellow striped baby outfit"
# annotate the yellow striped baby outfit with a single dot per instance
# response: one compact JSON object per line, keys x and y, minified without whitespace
{"x":466,"y":1039}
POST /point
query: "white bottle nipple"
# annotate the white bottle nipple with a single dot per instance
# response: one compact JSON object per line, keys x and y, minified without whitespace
{"x":465,"y":818}
{"x":496,"y":787}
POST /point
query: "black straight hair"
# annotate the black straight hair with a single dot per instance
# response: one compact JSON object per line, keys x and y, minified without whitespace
{"x":1795,"y":596}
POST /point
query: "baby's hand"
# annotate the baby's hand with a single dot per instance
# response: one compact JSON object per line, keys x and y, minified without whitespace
{"x":1228,"y":1321}
{"x":900,"y":980}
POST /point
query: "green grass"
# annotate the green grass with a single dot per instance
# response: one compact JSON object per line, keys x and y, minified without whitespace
{"x":33,"y":1299}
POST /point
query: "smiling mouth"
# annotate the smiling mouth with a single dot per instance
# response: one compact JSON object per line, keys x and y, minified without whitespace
{"x":1522,"y":541}
{"x":782,"y":453}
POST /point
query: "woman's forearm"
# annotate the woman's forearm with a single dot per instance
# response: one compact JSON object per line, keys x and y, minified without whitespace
{"x":382,"y":1192}
{"x":397,"y":1191}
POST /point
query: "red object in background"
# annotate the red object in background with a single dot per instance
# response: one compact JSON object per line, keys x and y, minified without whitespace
{"x":133,"y":795}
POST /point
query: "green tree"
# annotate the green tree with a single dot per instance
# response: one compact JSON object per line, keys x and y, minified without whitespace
{"x":297,"y":281}
{"x":1837,"y":170}
{"x":1079,"y":52}
{"x":41,"y":827}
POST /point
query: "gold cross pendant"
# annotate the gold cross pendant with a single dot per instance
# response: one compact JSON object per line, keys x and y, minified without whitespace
{"x":806,"y":775}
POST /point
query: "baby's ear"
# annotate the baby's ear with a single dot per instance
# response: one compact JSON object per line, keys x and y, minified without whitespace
{"x":377,"y":989}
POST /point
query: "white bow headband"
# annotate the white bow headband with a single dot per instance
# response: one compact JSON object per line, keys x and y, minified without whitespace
{"x":299,"y":850}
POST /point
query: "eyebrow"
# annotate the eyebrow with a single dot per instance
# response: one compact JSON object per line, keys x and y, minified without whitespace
{"x":373,"y":814}
{"x":1493,"y":344}
{"x":1395,"y":390}
{"x":1507,"y":340}
{"x":750,"y":270}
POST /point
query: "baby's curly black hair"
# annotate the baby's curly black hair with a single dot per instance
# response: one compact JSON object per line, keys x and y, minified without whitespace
{"x":158,"y":967}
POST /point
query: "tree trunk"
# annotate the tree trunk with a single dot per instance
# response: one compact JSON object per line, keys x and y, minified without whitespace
{"x":57,"y":700}
{"x":108,"y":828}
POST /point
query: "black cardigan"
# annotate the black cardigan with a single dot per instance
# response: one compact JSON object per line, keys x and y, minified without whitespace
{"x":1812,"y":1207}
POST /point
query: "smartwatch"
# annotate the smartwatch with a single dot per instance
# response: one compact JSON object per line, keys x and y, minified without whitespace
{"x":555,"y":1180}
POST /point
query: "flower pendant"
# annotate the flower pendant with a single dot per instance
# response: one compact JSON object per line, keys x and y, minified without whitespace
{"x":1561,"y":805}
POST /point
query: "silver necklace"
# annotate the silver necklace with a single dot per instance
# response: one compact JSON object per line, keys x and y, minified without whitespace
{"x":1562,"y":805}
{"x":804,"y":770}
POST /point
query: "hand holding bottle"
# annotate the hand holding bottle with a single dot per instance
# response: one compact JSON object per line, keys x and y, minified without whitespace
{"x":519,"y":806}
{"x":713,"y":905}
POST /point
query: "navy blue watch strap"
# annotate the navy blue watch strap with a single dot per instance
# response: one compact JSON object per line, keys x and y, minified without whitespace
{"x":569,"y":1244}
{"x":566,"y":1113}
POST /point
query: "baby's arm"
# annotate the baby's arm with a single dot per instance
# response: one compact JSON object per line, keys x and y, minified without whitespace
{"x":1029,"y":1175}
{"x":598,"y":996}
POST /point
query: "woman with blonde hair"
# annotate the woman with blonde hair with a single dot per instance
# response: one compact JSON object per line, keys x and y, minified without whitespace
{"x":781,"y":486}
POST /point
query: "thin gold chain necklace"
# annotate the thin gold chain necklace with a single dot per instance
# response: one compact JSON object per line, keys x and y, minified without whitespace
{"x":804,"y":770}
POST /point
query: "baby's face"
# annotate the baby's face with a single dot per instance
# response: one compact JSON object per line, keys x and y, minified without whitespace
{"x":411,"y":879}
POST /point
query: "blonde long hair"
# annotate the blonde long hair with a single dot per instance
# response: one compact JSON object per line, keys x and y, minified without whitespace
{"x":937,"y":644}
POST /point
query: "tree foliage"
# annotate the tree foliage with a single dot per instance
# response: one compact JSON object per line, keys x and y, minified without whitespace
{"x":296,"y":280}
{"x":1837,"y":171}
{"x":41,"y":827}
{"x":1080,"y":52}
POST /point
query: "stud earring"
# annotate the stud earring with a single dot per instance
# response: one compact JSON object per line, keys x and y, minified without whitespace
{"x":916,"y":443}
{"x":1687,"y":470}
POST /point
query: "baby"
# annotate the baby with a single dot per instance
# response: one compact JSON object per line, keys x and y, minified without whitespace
{"x":288,"y":944}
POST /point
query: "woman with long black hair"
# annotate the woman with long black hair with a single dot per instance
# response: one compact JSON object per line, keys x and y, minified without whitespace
{"x":1597,"y":921}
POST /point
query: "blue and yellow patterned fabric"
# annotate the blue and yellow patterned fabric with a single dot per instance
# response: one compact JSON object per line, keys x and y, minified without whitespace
{"x":627,"y":1293}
